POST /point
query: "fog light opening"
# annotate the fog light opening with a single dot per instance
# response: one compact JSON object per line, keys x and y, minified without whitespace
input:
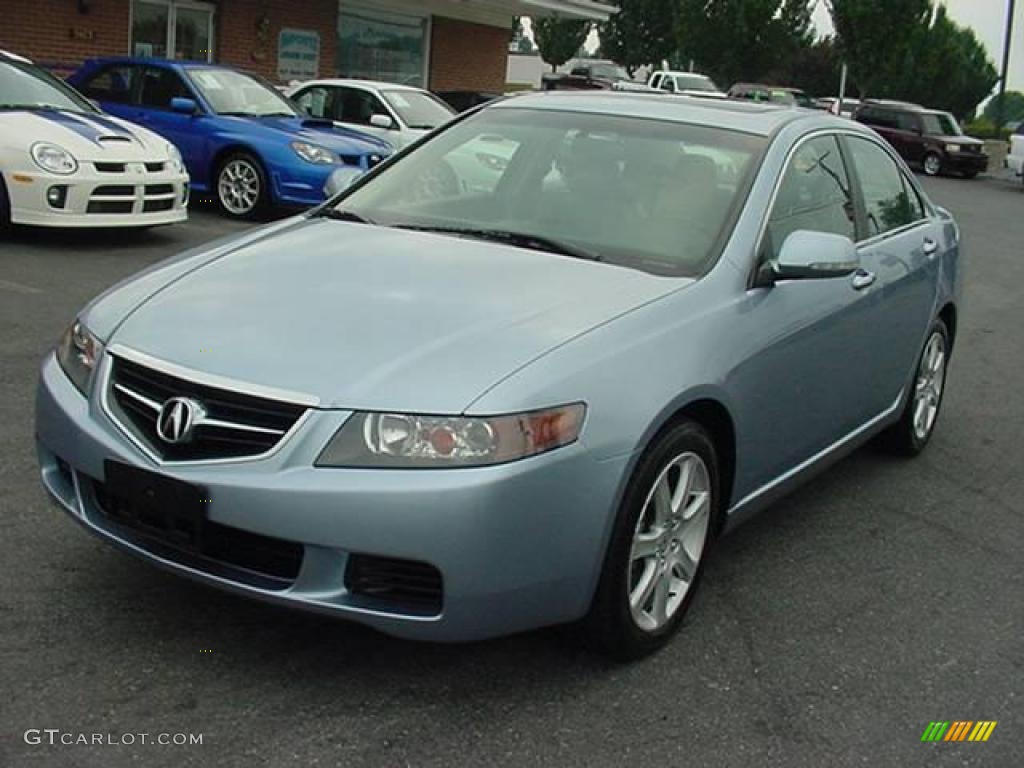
{"x":57,"y":195}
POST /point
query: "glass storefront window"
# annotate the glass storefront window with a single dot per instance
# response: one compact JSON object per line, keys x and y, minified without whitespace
{"x":382,"y":46}
{"x":172,"y":29}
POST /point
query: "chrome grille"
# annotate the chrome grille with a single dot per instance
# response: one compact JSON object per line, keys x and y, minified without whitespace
{"x":234,"y":424}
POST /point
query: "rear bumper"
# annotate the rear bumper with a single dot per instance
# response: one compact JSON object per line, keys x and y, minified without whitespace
{"x":518,"y":546}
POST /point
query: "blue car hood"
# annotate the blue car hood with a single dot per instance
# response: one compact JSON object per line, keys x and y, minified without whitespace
{"x":322,"y":132}
{"x":365,"y":317}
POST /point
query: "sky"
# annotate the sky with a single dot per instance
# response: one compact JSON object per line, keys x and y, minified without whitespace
{"x":987,"y":18}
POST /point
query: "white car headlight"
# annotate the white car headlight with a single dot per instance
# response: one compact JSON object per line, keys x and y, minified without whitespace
{"x":399,"y":440}
{"x":54,"y":159}
{"x":953,"y":147}
{"x":79,"y":353}
{"x":311,"y":153}
{"x":175,"y":157}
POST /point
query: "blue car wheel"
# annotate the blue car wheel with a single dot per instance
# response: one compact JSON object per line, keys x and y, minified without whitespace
{"x":242,"y":186}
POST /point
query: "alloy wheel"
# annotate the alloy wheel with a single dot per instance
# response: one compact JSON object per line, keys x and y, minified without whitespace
{"x":239,"y":187}
{"x":932,"y":165}
{"x":931,"y":378}
{"x":669,"y":541}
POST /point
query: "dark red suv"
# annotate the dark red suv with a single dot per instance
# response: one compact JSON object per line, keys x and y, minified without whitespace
{"x":925,"y":137}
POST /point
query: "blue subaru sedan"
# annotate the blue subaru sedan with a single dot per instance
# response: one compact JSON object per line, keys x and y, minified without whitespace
{"x":452,"y":412}
{"x":243,"y":142}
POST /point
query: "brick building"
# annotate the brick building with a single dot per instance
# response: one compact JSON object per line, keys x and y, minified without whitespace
{"x":439,"y":44}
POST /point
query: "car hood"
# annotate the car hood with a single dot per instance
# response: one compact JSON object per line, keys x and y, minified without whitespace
{"x":370,"y":318}
{"x":89,"y":137}
{"x":322,"y":132}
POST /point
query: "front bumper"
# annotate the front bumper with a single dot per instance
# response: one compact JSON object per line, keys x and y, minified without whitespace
{"x":130,"y":198}
{"x":966,"y":162}
{"x":518,"y":546}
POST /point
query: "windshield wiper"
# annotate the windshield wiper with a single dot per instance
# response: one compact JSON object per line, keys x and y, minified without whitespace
{"x":334,"y":214}
{"x":43,"y":108}
{"x":516,"y":239}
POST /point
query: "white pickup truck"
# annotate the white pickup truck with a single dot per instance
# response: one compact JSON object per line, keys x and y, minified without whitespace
{"x":1015,"y":160}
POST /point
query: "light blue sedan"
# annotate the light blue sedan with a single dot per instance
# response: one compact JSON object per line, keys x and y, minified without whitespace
{"x":454,"y":412}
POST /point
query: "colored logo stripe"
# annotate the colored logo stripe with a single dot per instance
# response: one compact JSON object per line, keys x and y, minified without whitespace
{"x":958,"y":730}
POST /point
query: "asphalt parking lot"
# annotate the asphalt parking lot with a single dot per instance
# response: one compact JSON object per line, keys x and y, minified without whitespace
{"x":829,"y":631}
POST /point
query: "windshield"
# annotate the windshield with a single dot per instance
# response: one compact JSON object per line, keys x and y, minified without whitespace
{"x":652,"y":195}
{"x":419,"y":111}
{"x":940,"y":124}
{"x":27,"y":86}
{"x":694,"y":83}
{"x":236,"y":93}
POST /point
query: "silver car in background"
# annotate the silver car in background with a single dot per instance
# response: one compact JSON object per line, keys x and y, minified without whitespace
{"x":455,"y":412}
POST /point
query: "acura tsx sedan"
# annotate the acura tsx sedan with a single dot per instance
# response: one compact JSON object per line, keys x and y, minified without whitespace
{"x":453,"y":412}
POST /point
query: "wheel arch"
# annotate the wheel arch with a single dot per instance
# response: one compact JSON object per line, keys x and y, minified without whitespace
{"x":240,"y":147}
{"x":948,"y":315}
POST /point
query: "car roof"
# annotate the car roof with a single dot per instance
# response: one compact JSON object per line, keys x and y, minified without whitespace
{"x":155,"y":62}
{"x":376,"y":85}
{"x":679,"y":73}
{"x":14,"y":57}
{"x":760,"y":119}
{"x":894,"y":104}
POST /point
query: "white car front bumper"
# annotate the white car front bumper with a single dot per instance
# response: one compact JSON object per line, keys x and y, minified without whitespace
{"x":108,"y":194}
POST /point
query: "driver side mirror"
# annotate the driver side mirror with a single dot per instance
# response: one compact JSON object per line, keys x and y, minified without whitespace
{"x":184,"y":106}
{"x":382,"y":121}
{"x":809,"y":255}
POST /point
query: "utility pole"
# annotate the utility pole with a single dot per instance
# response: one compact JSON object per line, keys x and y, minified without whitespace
{"x":1001,"y":105}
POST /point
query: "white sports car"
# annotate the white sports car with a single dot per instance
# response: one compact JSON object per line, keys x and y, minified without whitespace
{"x":65,"y":163}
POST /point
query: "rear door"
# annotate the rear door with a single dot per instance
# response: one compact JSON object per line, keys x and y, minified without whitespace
{"x":899,"y":246}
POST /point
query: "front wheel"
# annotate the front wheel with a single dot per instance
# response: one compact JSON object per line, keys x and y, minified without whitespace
{"x":658,"y":545}
{"x":932,"y":164}
{"x":910,"y":435}
{"x":242,"y":186}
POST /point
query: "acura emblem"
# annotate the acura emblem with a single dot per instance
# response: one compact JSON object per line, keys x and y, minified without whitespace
{"x":177,"y":419}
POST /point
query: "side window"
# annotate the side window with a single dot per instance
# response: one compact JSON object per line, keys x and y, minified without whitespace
{"x":358,"y":106}
{"x":667,"y":84}
{"x":815,"y":195}
{"x":159,"y":86}
{"x":316,"y":102}
{"x":113,"y":84}
{"x":907,"y":121}
{"x":656,"y":82}
{"x":889,"y":201}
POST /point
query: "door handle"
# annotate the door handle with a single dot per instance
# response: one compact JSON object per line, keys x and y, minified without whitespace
{"x":930,"y":247}
{"x":863,"y":279}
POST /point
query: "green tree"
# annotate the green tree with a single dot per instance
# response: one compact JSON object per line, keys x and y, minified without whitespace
{"x":873,"y":37}
{"x":1013,"y":112}
{"x":641,"y":33}
{"x":559,"y":39}
{"x":734,"y":40}
{"x":944,"y":66}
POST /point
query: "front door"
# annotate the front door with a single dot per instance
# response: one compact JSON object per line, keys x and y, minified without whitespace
{"x":159,"y":86}
{"x":813,"y":383}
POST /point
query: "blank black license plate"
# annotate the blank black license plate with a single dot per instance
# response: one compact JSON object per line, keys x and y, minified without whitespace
{"x":155,"y":505}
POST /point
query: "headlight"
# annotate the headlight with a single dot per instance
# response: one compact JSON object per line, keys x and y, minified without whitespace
{"x":311,"y":153}
{"x":953,"y":147}
{"x":175,"y":157}
{"x":78,"y":354}
{"x":408,"y":440}
{"x":54,"y":159}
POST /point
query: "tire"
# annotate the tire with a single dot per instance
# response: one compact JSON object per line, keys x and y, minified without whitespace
{"x":624,"y":621}
{"x":241,"y":187}
{"x":909,"y":436}
{"x":932,"y":164}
